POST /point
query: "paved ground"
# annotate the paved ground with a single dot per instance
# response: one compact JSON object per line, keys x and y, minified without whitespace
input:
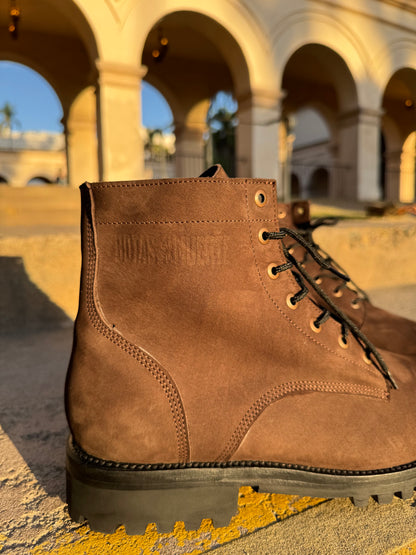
{"x":33,"y":516}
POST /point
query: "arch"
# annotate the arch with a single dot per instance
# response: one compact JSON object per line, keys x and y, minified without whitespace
{"x":399,"y":101}
{"x":399,"y":123}
{"x":58,"y":43}
{"x":243,"y":37}
{"x":318,"y":27}
{"x":316,"y":74}
{"x":202,"y":46}
{"x":34,"y":65}
{"x":18,"y":67}
{"x":199,"y":47}
{"x":392,"y":58}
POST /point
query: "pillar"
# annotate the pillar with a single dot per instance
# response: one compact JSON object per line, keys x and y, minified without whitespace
{"x":407,"y":170}
{"x":189,"y":153}
{"x":392,"y":178}
{"x":190,"y":144}
{"x":81,"y":133}
{"x":359,"y":155}
{"x":258,"y":136}
{"x":120,"y":145}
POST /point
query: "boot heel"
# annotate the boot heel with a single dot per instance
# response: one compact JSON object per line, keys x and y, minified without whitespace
{"x":135,"y":498}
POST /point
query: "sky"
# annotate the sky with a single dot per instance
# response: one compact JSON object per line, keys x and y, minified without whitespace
{"x":38,"y":108}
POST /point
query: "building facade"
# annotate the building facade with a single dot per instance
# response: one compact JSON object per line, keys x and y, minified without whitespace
{"x":351,"y":62}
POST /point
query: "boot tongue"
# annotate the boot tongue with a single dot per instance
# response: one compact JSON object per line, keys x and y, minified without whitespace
{"x":215,"y":171}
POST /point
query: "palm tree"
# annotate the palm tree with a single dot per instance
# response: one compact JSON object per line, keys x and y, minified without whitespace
{"x":222,"y":121}
{"x":8,"y":118}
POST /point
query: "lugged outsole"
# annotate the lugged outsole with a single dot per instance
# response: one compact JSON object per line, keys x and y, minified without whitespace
{"x":112,"y":494}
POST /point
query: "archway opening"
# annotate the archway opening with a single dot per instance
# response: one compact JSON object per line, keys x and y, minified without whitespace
{"x":319,"y":91}
{"x":311,"y":146}
{"x":55,"y":40}
{"x":318,"y":184}
{"x":399,"y":126}
{"x":198,"y":59}
{"x":158,"y":133}
{"x":31,"y":132}
{"x":221,"y":136}
{"x":39,"y":180}
{"x":41,"y":110}
{"x":408,"y":170}
{"x":295,"y":186}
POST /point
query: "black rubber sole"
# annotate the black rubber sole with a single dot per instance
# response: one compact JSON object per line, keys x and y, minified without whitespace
{"x":111,"y":494}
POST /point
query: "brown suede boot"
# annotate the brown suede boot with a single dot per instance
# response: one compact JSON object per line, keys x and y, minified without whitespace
{"x":384,"y":329}
{"x":201,"y":364}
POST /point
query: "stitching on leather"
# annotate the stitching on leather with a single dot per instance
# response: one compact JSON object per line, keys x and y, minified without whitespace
{"x":85,"y":458}
{"x":127,"y":184}
{"x":313,"y":339}
{"x":276,"y":393}
{"x":133,"y":222}
{"x":164,"y":379}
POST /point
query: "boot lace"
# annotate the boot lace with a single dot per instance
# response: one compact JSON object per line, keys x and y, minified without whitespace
{"x":300,"y":275}
{"x":306,"y":230}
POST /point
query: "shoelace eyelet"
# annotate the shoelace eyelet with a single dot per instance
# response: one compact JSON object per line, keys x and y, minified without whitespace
{"x":289,"y":302}
{"x":314,"y":327}
{"x":338,"y":292}
{"x":342,"y":342}
{"x":355,"y":305}
{"x":281,"y":214}
{"x":347,"y":325}
{"x":262,"y":240}
{"x":366,"y":359}
{"x":318,"y":280}
{"x":291,"y":250}
{"x":260,"y":198}
{"x":270,"y":273}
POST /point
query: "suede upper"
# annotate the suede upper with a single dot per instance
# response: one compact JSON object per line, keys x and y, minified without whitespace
{"x":187,"y":349}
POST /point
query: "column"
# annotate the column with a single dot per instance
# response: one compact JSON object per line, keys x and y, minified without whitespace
{"x":190,"y":144}
{"x":392,"y":178}
{"x":407,"y":170}
{"x":81,"y":134}
{"x":258,"y":136}
{"x":189,"y":153}
{"x":359,"y":155}
{"x":120,"y":145}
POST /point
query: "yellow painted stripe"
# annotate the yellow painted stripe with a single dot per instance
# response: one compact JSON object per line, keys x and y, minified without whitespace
{"x":255,"y":510}
{"x":407,"y":549}
{"x":3,"y":540}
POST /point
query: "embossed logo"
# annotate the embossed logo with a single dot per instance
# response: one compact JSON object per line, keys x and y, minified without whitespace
{"x":197,"y":250}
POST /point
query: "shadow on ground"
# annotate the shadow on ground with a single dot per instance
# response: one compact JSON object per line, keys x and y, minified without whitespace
{"x":35,"y":343}
{"x":23,"y":306}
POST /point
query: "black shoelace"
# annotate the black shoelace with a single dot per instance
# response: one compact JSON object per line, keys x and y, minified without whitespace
{"x":306,"y":231}
{"x":301,"y":275}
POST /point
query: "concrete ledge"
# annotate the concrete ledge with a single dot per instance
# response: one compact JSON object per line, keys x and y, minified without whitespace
{"x":40,"y":226}
{"x":375,"y":252}
{"x":36,"y":271}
